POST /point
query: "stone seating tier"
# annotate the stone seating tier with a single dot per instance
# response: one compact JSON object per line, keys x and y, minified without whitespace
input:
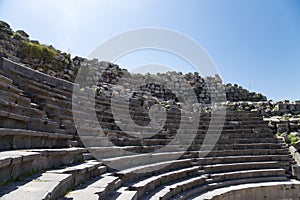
{"x":36,"y":163}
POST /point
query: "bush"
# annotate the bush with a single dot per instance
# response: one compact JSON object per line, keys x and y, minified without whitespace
{"x":38,"y":51}
{"x":293,"y":139}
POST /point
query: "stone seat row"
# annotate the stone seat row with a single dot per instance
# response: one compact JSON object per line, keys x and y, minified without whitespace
{"x":52,"y":100}
{"x":267,"y":190}
{"x":52,"y":184}
{"x":17,"y":111}
{"x":238,"y":170}
{"x":128,"y":167}
{"x":169,"y":183}
{"x":180,"y":178}
{"x":17,"y":163}
{"x":65,"y":121}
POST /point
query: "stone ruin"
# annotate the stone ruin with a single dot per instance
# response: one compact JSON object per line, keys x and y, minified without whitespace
{"x":54,"y":145}
{"x":43,"y":156}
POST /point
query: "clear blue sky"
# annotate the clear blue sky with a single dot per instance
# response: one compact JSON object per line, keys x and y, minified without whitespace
{"x":254,"y":43}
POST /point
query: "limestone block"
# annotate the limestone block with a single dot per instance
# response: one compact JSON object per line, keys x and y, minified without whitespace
{"x":297,"y":146}
{"x":296,"y":171}
{"x":282,"y":126}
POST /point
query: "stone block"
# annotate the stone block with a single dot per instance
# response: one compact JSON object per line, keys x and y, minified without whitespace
{"x":296,"y":171}
{"x":283,"y":126}
{"x":297,"y":146}
{"x":22,"y":142}
{"x":6,"y":142}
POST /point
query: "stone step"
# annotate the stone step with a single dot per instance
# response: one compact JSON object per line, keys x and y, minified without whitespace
{"x":146,"y":185}
{"x":243,"y":174}
{"x":108,"y":115}
{"x":37,"y":98}
{"x":111,"y":151}
{"x":63,"y":91}
{"x":239,"y":166}
{"x":82,"y":172}
{"x":106,"y":104}
{"x":4,"y":79}
{"x":64,"y":88}
{"x":98,"y":139}
{"x":46,"y":186}
{"x":67,"y":129}
{"x":204,"y":192}
{"x":10,"y":88}
{"x":49,"y":108}
{"x":24,"y":101}
{"x":18,"y":163}
{"x":222,"y":153}
{"x":245,"y":158}
{"x":135,"y":173}
{"x":11,"y":120}
{"x":238,"y":147}
{"x":142,"y":142}
{"x":80,"y":114}
{"x":270,"y":188}
{"x":182,"y":126}
{"x":246,"y":146}
{"x":236,"y":134}
{"x":146,"y":145}
{"x":32,"y":88}
{"x":17,"y":109}
{"x":171,"y":190}
{"x":14,"y":164}
{"x":116,"y":151}
{"x":68,"y":113}
{"x":13,"y":116}
{"x":139,"y":160}
{"x":98,"y":144}
{"x":62,"y":119}
{"x":226,"y":140}
{"x":25,"y":139}
{"x":53,"y":183}
{"x":44,"y":125}
{"x":97,"y":188}
{"x":127,"y":195}
{"x":24,"y":73}
{"x":226,"y":134}
{"x":8,"y":96}
{"x":184,"y":120}
{"x":24,"y":81}
{"x":88,"y":156}
{"x":93,"y":129}
{"x":176,"y":117}
{"x":236,"y":121}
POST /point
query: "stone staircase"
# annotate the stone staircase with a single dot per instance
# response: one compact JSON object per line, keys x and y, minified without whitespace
{"x":42,"y":157}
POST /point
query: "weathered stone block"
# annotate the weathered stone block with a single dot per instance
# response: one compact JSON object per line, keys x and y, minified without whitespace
{"x":297,"y":146}
{"x":296,"y":171}
{"x":283,"y":126}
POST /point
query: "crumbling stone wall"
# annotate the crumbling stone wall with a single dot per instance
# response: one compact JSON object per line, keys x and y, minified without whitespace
{"x":18,"y":47}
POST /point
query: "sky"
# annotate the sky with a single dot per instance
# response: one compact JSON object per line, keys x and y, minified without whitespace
{"x":253,"y":43}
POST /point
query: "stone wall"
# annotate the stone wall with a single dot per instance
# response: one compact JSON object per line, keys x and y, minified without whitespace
{"x":207,"y":89}
{"x":18,"y":47}
{"x":283,"y":117}
{"x":6,"y":66}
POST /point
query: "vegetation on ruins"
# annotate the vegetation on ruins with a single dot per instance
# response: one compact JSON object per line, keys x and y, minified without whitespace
{"x":37,"y":51}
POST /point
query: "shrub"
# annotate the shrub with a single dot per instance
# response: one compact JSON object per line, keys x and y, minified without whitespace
{"x":38,"y":51}
{"x":293,"y":139}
